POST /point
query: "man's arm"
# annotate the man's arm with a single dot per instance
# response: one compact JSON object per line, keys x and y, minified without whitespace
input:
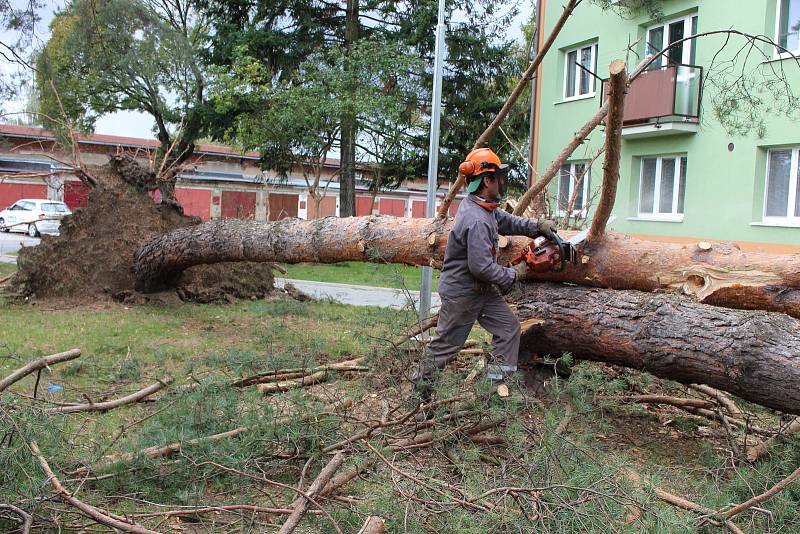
{"x":480,"y":258}
{"x":508,"y":224}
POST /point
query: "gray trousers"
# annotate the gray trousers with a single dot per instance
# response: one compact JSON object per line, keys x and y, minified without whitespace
{"x":456,"y":318}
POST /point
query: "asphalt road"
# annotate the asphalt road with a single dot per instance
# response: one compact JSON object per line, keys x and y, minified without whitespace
{"x":12,"y":242}
{"x":383,"y":297}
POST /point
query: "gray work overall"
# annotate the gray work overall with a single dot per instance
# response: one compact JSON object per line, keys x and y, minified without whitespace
{"x":468,"y":287}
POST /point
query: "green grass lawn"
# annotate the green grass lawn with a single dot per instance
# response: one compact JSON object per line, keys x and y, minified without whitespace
{"x":578,"y":461}
{"x":361,"y":273}
{"x":7,"y":268}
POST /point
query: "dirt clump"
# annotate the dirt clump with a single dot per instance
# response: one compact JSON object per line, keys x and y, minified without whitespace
{"x":93,"y":256}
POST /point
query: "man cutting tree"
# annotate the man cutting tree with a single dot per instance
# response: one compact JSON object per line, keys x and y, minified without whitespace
{"x":471,"y":281}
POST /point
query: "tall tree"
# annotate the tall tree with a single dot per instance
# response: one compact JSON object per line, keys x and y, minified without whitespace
{"x":482,"y":64}
{"x":137,"y":55}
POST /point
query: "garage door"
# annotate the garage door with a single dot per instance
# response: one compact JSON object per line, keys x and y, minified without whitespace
{"x":282,"y":206}
{"x":11,"y":192}
{"x":238,"y":205}
{"x":393,"y":206}
{"x":327,"y":208}
{"x":362,"y":206}
{"x":418,"y":208}
{"x":195,"y":202}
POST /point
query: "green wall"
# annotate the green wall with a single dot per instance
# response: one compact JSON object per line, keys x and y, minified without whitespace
{"x":724,"y":189}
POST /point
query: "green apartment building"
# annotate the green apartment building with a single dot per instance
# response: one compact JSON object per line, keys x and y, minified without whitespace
{"x":683,"y":176}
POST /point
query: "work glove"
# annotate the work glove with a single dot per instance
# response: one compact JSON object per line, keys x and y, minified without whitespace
{"x":521,"y":271}
{"x":547,"y":228}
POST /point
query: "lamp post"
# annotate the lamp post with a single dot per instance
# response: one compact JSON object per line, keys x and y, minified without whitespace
{"x":433,"y":156}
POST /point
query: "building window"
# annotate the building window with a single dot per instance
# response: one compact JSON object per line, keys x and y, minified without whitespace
{"x":572,"y":176}
{"x":662,"y":36}
{"x":782,"y":195}
{"x":580,"y":63}
{"x":662,"y":187}
{"x":787,"y":32}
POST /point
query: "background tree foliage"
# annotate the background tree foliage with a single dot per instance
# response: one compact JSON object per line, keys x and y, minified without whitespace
{"x":141,"y":55}
{"x":388,"y":94}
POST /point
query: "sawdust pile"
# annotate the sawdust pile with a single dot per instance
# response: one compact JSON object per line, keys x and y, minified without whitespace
{"x":93,"y":256}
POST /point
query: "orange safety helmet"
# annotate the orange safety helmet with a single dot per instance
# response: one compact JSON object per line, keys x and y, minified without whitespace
{"x":479,"y":163}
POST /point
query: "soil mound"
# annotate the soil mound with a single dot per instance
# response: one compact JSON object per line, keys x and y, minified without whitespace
{"x":93,"y":256}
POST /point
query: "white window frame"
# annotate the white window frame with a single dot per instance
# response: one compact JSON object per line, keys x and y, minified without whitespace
{"x":584,"y":184}
{"x":778,"y":53}
{"x":674,"y":216}
{"x":593,"y":82}
{"x":791,"y":219}
{"x":686,"y":52}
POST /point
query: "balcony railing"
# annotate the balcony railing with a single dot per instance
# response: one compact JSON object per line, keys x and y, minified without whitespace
{"x":664,"y":94}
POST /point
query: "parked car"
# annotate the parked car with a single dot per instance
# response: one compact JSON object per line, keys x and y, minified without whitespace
{"x":34,"y":216}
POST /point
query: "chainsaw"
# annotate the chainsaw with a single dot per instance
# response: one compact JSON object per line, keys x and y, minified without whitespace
{"x":543,"y":255}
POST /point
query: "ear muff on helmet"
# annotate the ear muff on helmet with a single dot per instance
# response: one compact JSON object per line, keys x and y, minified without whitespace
{"x":467,"y":168}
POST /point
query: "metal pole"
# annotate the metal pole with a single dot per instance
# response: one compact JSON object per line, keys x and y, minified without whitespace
{"x":433,"y":156}
{"x":538,"y":24}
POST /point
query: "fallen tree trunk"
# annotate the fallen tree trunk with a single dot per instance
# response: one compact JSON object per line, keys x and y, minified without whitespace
{"x":721,"y":275}
{"x":754,"y":355}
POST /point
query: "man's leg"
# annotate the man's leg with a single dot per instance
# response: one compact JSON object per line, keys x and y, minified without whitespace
{"x":456,"y":318}
{"x":498,"y":319}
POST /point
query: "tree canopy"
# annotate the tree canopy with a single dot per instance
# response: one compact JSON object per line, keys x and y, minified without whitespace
{"x":117,"y":55}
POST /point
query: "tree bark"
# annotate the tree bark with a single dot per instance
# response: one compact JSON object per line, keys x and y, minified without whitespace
{"x":721,"y":275}
{"x":754,"y":355}
{"x":616,"y":107}
{"x":349,"y":127}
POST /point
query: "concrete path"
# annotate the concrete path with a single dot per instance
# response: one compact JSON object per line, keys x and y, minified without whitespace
{"x":359,"y":295}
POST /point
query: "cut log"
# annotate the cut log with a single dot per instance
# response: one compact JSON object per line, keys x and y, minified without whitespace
{"x":722,"y":276}
{"x":754,"y":355}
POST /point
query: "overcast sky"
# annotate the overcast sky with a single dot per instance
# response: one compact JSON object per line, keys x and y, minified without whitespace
{"x":134,"y":124}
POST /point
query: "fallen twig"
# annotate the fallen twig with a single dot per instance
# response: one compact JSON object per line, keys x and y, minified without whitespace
{"x":286,"y":385}
{"x":663,"y":399}
{"x":721,"y":398}
{"x":424,"y":327}
{"x":25,"y":518}
{"x":686,"y":504}
{"x":88,"y":510}
{"x":756,"y":452}
{"x":167,"y":450}
{"x":225,"y":508}
{"x":299,"y":505}
{"x":116,"y":403}
{"x":287,"y":374}
{"x":758,"y":499}
{"x":39,"y":363}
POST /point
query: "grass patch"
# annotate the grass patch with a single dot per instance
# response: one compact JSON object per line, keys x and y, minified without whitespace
{"x":577,"y":462}
{"x":361,"y":273}
{"x":7,"y":269}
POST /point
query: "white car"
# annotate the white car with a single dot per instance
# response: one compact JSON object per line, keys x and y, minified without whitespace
{"x":33,"y":216}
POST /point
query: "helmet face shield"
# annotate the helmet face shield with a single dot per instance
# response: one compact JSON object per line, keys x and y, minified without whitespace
{"x":501,"y":174}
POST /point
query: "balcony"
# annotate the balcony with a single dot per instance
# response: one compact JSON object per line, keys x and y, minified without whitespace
{"x":663,"y":101}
